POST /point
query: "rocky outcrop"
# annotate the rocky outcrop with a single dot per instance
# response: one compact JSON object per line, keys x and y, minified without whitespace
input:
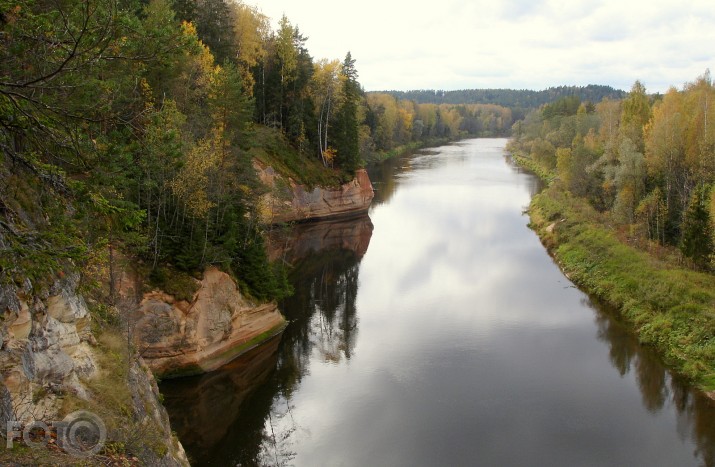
{"x":179,"y":338}
{"x":49,"y":353}
{"x":46,"y":349}
{"x":156,"y":446}
{"x":288,"y":201}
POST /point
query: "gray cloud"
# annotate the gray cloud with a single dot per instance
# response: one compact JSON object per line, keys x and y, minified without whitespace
{"x":454,"y":44}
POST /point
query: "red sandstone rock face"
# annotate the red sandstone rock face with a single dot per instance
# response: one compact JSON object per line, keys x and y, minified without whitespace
{"x":288,"y":201}
{"x":180,"y":338}
{"x":301,"y":240}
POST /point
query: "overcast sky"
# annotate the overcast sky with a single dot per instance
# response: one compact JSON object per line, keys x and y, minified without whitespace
{"x":531,"y":44}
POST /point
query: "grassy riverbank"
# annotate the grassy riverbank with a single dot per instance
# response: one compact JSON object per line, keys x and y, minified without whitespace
{"x":670,"y":308}
{"x":407,"y":149}
{"x":533,"y":166}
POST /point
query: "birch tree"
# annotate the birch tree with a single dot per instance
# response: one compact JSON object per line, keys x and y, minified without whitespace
{"x":327,"y":96}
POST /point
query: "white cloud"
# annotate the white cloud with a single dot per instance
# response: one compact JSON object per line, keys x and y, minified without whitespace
{"x":454,"y":44}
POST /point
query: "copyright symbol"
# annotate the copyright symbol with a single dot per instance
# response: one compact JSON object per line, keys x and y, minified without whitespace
{"x":82,"y":433}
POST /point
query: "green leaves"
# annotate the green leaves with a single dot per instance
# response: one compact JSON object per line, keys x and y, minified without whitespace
{"x":697,"y":240}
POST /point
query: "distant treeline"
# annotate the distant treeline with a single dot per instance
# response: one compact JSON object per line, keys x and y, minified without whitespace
{"x":397,"y":122}
{"x":515,"y":99}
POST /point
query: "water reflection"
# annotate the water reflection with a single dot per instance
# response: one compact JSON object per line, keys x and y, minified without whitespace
{"x":455,"y":340}
{"x":383,"y":178}
{"x":239,"y":415}
{"x":535,"y":185}
{"x":659,"y":389}
{"x":204,"y":409}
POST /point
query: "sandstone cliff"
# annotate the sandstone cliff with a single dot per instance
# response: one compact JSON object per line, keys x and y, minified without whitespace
{"x":288,"y":201}
{"x":51,"y":364}
{"x":178,"y":338}
{"x":46,"y":349}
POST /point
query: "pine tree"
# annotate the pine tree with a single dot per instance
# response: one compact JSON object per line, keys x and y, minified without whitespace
{"x":347,"y":140}
{"x":214,"y":22}
{"x":697,"y":242}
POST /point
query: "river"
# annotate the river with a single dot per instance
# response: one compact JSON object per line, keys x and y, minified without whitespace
{"x":438,"y":331}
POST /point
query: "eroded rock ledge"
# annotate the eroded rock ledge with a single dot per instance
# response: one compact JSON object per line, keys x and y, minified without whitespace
{"x":180,"y":338}
{"x":49,"y":354}
{"x":46,"y":349}
{"x":288,"y":201}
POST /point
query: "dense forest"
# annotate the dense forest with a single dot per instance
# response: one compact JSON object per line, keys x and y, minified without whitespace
{"x":396,"y":122}
{"x":646,"y":161}
{"x":130,"y":125}
{"x":519,"y":101}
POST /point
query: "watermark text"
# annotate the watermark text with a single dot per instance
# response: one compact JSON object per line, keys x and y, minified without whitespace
{"x":80,"y":434}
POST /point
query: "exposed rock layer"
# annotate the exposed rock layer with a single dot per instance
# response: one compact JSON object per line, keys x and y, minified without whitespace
{"x":178,"y":338}
{"x":288,"y":201}
{"x":49,"y":351}
{"x":46,"y":349}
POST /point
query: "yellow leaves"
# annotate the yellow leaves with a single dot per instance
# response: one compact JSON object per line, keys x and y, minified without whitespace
{"x":326,"y":73}
{"x":590,"y":141}
{"x":329,"y":156}
{"x":202,"y":61}
{"x":191,"y":184}
{"x":406,"y":116}
{"x":250,"y":28}
{"x":146,"y":92}
{"x":188,"y":29}
{"x":386,"y":105}
{"x":563,"y":165}
{"x":203,"y":67}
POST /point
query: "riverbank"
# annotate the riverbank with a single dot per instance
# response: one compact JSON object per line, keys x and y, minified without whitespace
{"x":532,"y":166}
{"x":407,"y":149}
{"x":669,"y":308}
{"x":536,"y":358}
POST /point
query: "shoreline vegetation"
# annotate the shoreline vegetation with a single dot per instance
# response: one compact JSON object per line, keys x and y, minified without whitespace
{"x":669,"y":307}
{"x":136,"y":142}
{"x":629,"y":210}
{"x":409,"y":148}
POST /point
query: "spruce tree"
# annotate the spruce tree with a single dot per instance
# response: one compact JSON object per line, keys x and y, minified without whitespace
{"x":697,"y":242}
{"x":347,"y":141}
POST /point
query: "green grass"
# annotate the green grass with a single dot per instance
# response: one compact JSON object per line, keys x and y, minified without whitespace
{"x":407,"y":149}
{"x":532,"y":166}
{"x":670,"y":308}
{"x":270,"y":147}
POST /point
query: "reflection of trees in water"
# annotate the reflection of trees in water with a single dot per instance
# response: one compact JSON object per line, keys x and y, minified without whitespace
{"x":204,"y":409}
{"x":228,"y":417}
{"x":384,"y":181}
{"x":658,"y":387}
{"x":278,"y":430}
{"x":324,"y":320}
{"x":334,"y":323}
{"x":535,"y":183}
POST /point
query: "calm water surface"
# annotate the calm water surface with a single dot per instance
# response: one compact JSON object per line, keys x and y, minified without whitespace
{"x":438,"y":331}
